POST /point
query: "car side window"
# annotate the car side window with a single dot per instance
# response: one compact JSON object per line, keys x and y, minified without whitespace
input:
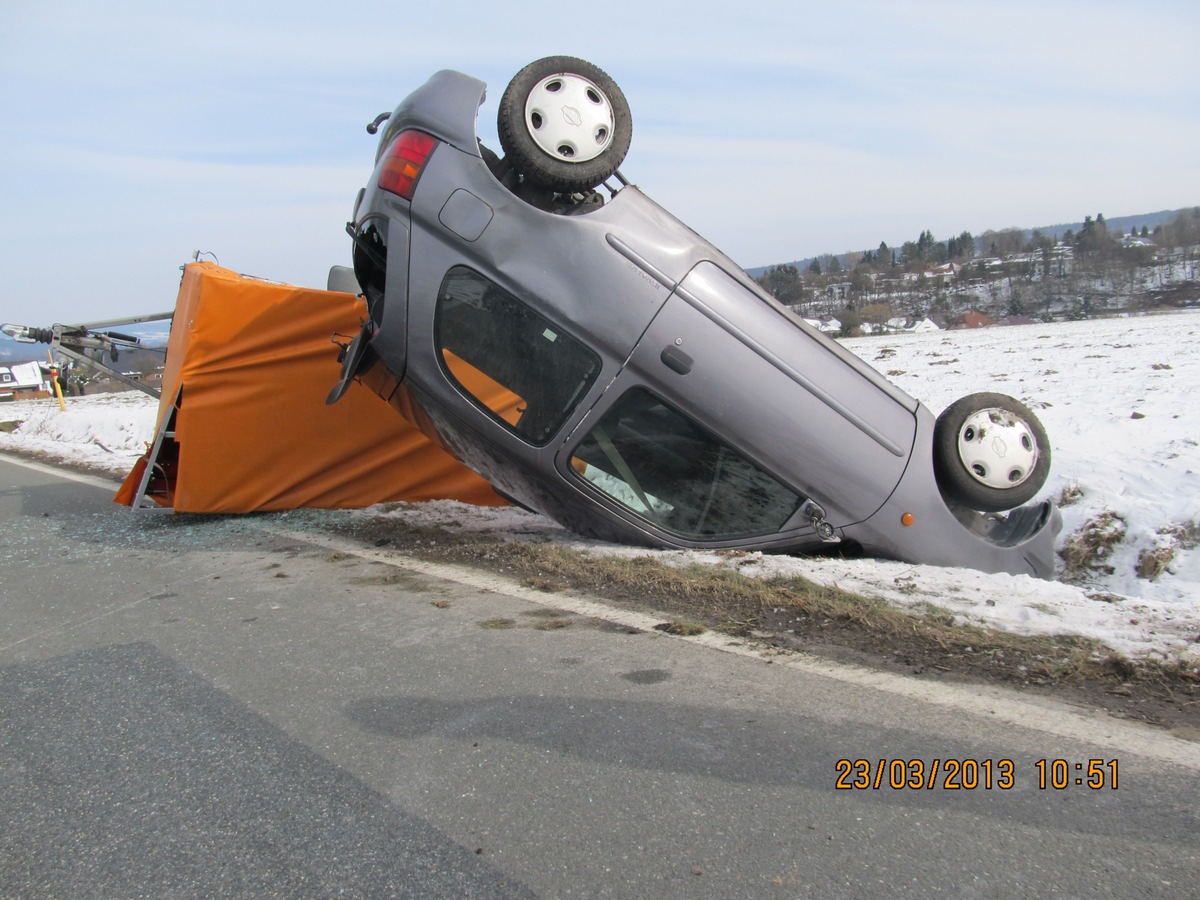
{"x":517,"y":365}
{"x":666,"y":468}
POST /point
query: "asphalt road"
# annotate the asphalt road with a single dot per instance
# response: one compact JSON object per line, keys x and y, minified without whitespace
{"x":206,"y":706}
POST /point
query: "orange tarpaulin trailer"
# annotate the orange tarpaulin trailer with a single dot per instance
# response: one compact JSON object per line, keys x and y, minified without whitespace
{"x":242,"y":421}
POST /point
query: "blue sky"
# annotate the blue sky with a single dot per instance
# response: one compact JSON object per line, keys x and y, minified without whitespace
{"x":134,"y":133}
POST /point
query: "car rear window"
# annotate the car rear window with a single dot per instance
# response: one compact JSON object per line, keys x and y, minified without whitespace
{"x":522,"y":369}
{"x":681,"y":477}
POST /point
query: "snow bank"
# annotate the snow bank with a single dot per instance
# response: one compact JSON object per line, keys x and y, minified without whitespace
{"x":105,"y":431}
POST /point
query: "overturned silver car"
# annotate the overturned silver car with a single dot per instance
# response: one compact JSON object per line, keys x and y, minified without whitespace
{"x":598,"y":361}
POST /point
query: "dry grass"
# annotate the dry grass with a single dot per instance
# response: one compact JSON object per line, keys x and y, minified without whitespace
{"x":1152,"y":563}
{"x":1071,"y":494}
{"x":1088,"y":549}
{"x":1185,"y":535}
{"x":1155,"y":561}
{"x":681,"y":628}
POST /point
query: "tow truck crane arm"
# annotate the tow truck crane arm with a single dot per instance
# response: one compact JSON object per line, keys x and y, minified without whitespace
{"x":75,"y":342}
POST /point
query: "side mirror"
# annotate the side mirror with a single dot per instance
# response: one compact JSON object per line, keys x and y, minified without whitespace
{"x":341,"y":278}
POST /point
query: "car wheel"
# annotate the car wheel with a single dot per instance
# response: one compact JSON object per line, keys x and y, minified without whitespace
{"x":564,"y":124}
{"x":990,"y":452}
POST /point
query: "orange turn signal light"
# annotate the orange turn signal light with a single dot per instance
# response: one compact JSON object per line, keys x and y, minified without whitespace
{"x":907,"y":519}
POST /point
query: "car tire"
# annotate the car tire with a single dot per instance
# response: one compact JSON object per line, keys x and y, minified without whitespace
{"x":564,"y":124}
{"x":990,"y":452}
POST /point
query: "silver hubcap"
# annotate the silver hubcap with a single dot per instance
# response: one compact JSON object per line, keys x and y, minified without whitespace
{"x":569,"y":118}
{"x":997,"y":448}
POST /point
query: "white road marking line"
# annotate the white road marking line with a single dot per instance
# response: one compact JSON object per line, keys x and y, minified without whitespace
{"x":989,"y":703}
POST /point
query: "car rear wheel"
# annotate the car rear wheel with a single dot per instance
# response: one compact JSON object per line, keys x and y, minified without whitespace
{"x":990,"y":452}
{"x":564,"y":124}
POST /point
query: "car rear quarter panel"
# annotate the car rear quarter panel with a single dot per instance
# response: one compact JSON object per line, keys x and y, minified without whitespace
{"x":562,"y":266}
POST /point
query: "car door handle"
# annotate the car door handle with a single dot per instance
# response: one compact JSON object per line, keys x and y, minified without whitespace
{"x":676,"y":360}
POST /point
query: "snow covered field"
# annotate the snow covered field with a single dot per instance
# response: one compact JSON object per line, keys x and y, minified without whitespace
{"x":1112,"y":394}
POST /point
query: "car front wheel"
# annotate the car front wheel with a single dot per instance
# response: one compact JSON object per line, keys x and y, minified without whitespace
{"x":564,"y":124}
{"x":990,"y":452}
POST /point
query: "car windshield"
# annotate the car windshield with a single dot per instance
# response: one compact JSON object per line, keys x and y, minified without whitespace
{"x":666,"y":468}
{"x":513,"y":362}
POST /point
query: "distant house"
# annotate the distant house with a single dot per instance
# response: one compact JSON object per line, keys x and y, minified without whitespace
{"x":23,"y":380}
{"x":925,"y":325}
{"x":943,"y":276}
{"x":1016,"y":320}
{"x":972,"y":319}
{"x":831,"y":326}
{"x":1133,"y":240}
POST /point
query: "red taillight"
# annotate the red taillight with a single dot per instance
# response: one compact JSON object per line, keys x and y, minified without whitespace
{"x":404,"y":160}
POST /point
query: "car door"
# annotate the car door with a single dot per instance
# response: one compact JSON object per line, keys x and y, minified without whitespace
{"x":729,"y":414}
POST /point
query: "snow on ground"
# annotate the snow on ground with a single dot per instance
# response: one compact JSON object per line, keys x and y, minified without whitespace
{"x":104,"y":431}
{"x":1112,"y":394}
